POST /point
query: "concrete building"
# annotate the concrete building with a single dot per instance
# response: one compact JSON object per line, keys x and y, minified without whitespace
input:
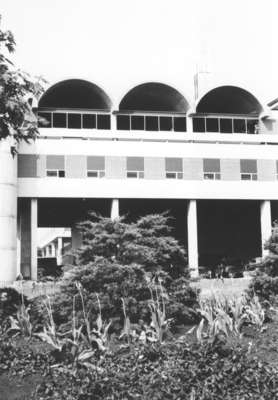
{"x":55,"y":246}
{"x":210,"y":161}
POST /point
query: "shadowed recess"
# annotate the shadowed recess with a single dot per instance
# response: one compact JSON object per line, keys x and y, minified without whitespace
{"x":75,"y":93}
{"x":154,"y":96}
{"x":229,"y":100}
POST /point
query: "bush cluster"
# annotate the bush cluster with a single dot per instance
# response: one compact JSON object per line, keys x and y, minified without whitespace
{"x":113,"y":282}
{"x":10,"y":299}
{"x":265,"y":287}
{"x":170,"y":371}
{"x":120,"y":260}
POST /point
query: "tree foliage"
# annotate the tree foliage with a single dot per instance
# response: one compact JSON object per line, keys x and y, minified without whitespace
{"x":269,"y":264}
{"x":146,"y":242}
{"x":16,"y":88}
{"x":120,"y":260}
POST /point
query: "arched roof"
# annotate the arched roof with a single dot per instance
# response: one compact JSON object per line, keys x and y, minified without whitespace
{"x":75,"y":93}
{"x":154,"y":96}
{"x":229,"y":100}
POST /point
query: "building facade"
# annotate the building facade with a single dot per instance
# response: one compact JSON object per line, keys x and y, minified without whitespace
{"x":211,"y":162}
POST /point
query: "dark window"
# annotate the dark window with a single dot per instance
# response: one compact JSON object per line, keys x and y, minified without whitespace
{"x":151,"y":123}
{"x":179,"y":124}
{"x":61,"y":174}
{"x":51,"y":173}
{"x":239,"y":125}
{"x":199,"y":125}
{"x":171,"y":175}
{"x":251,"y":125}
{"x":226,"y":125}
{"x":165,"y":123}
{"x":123,"y":122}
{"x":89,"y":121}
{"x":74,"y":121}
{"x":246,"y":177}
{"x":208,"y":175}
{"x":59,"y":120}
{"x":44,"y":120}
{"x":137,"y":123}
{"x":92,"y":174}
{"x":212,"y":125}
{"x":131,"y":174}
{"x":103,"y":121}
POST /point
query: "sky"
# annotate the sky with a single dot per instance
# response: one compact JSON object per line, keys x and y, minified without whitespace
{"x":121,"y":43}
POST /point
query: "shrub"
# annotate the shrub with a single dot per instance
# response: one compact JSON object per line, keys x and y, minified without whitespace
{"x":169,"y":371}
{"x":10,"y":300}
{"x":112,"y":282}
{"x":265,"y":287}
{"x":122,"y":260}
{"x":146,"y":242}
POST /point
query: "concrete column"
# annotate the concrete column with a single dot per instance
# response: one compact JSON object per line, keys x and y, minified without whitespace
{"x":59,"y":251}
{"x":189,"y":125}
{"x":29,"y":227}
{"x":192,"y":233}
{"x":265,"y":224}
{"x":34,"y":239}
{"x":76,"y":238}
{"x":8,"y":212}
{"x":18,"y":245}
{"x":113,"y":123}
{"x":115,"y":209}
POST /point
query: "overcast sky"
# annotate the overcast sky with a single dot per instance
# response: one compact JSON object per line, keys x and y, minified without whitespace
{"x":112,"y":41}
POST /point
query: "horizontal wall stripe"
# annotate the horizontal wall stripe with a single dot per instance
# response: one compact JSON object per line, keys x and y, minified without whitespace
{"x":116,"y":167}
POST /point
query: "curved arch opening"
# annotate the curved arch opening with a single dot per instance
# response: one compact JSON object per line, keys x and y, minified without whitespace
{"x":154,"y":97}
{"x":229,"y":100}
{"x":75,"y":93}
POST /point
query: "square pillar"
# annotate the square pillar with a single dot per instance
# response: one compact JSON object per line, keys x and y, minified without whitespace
{"x":28,"y":238}
{"x":59,"y":252}
{"x":115,"y":209}
{"x":266,"y":226}
{"x":76,"y":238}
{"x":34,"y":239}
{"x":192,"y":238}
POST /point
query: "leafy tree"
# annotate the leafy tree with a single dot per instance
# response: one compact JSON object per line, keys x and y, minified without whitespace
{"x":270,"y":262}
{"x":124,"y":260}
{"x":16,"y":88}
{"x":146,"y":242}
